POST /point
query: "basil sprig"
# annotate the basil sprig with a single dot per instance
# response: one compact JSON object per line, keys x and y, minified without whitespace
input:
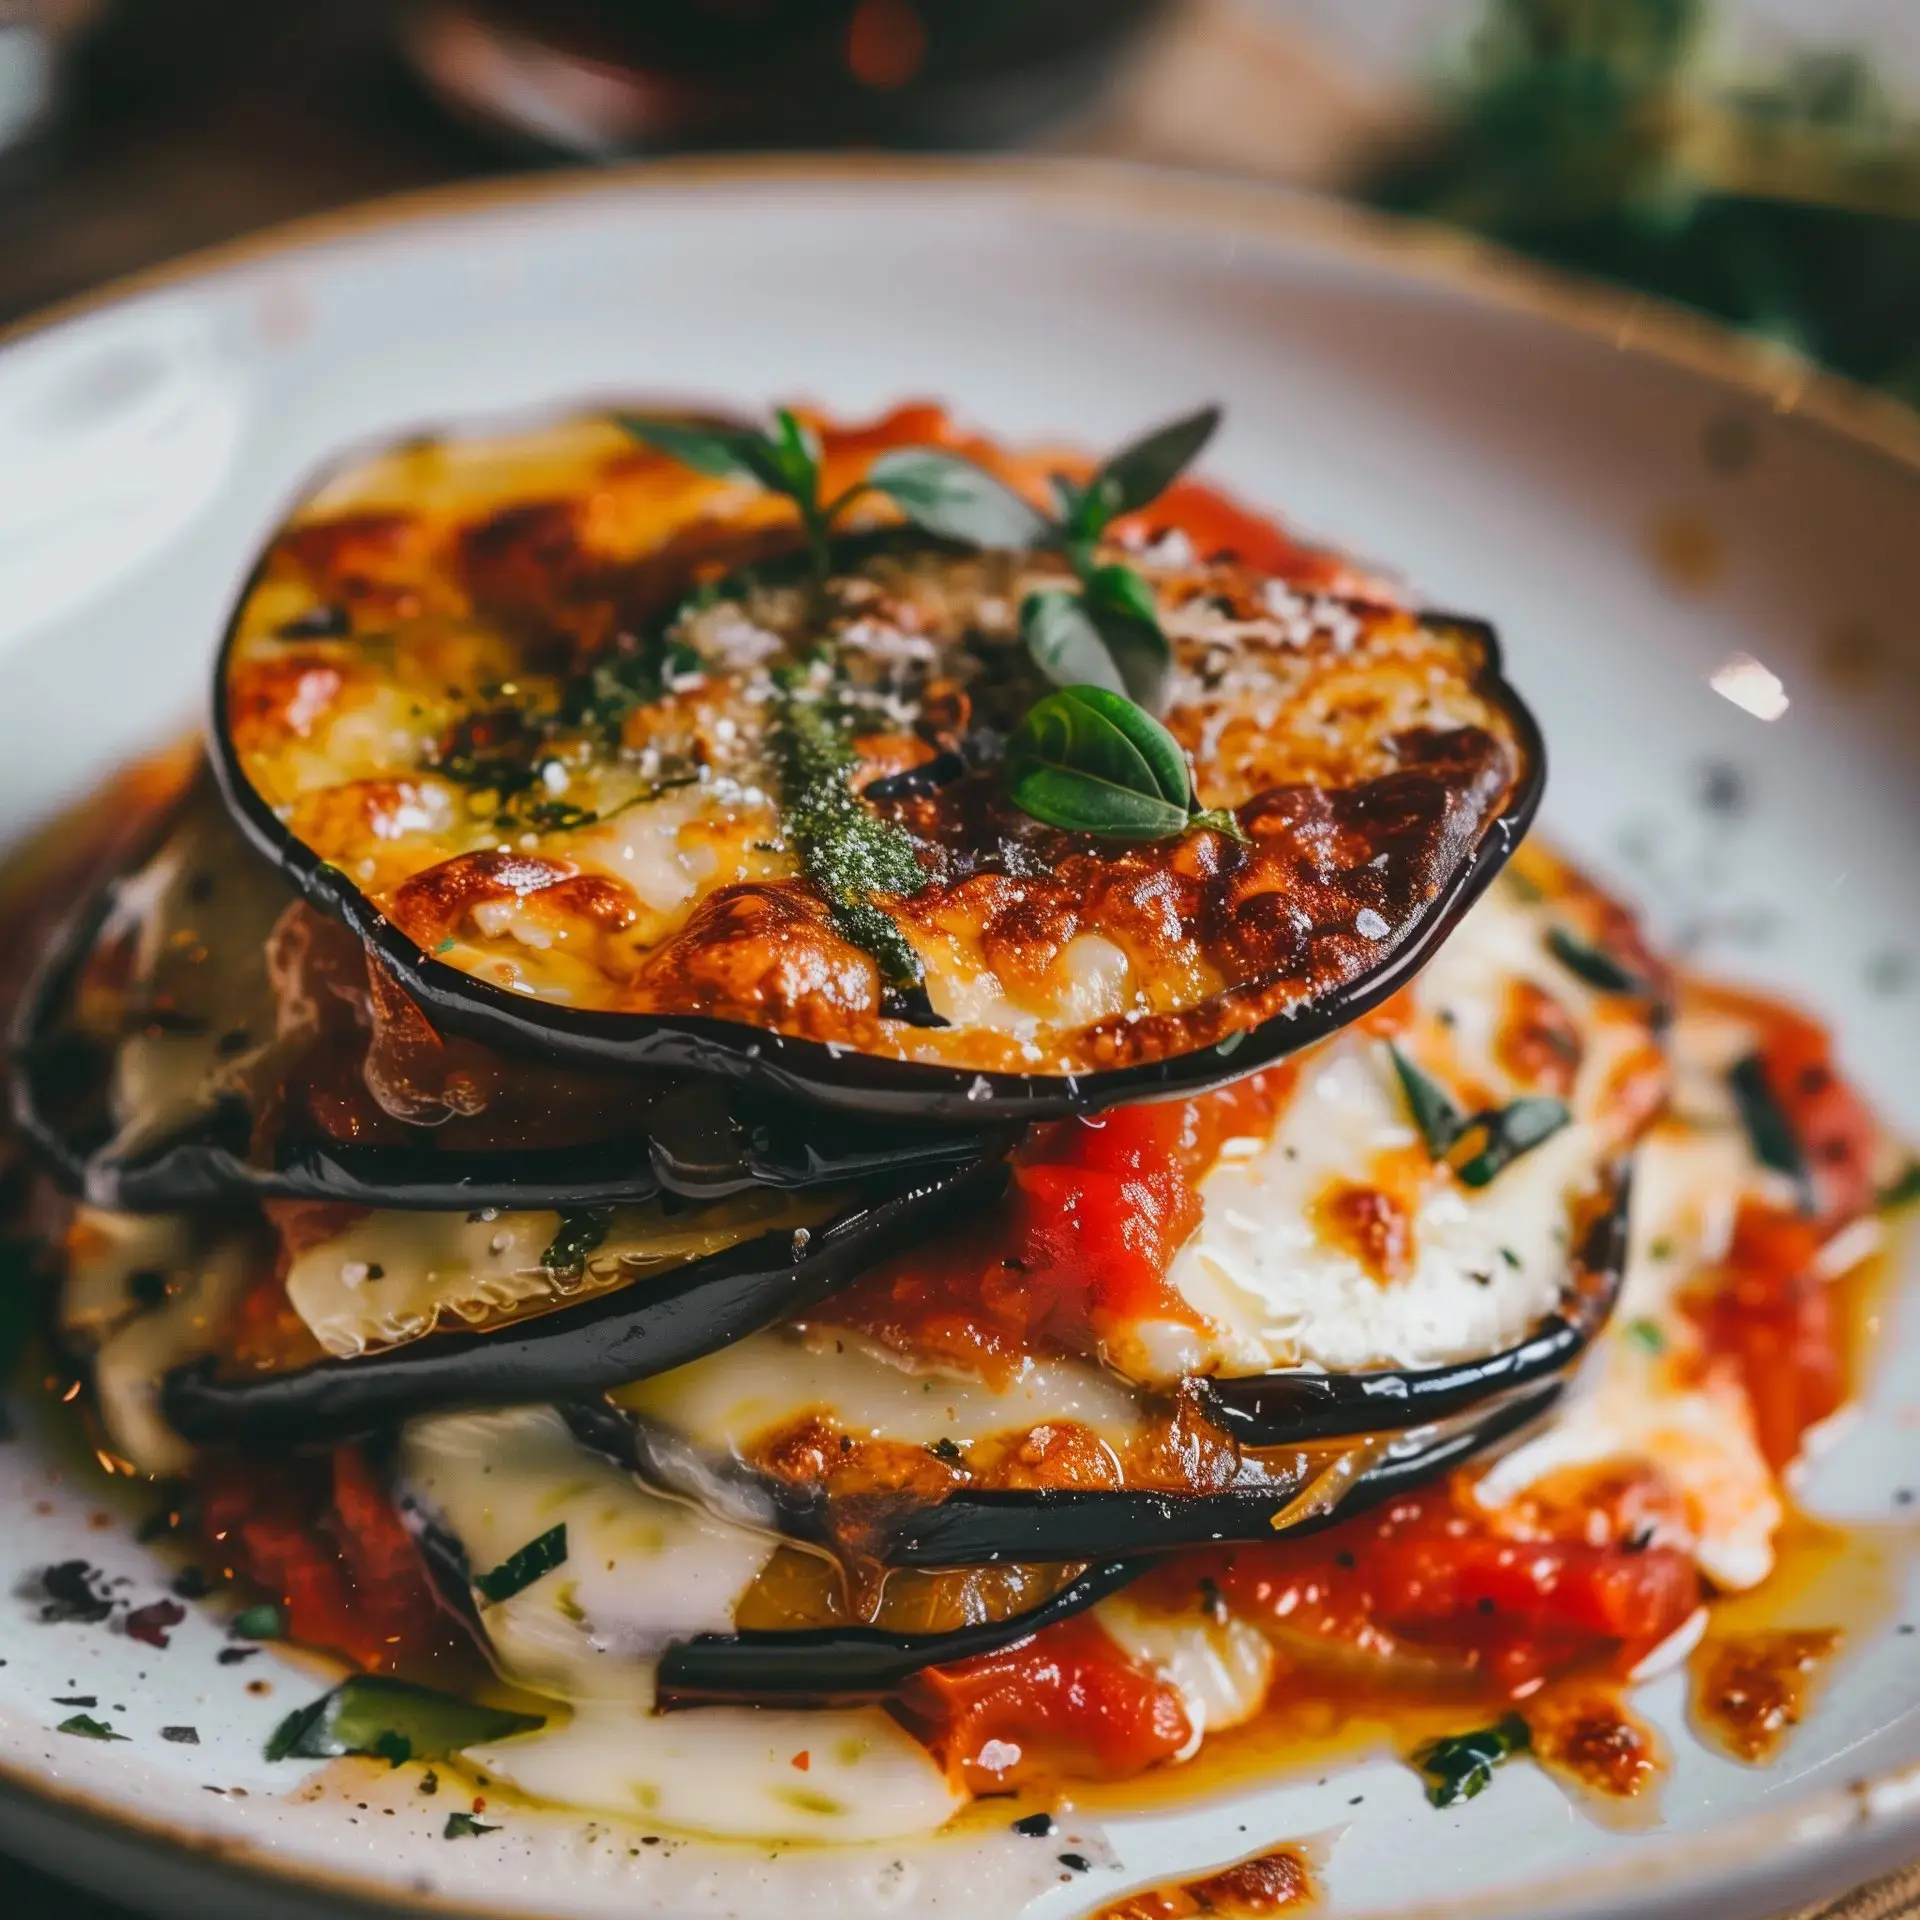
{"x":1105,"y":632}
{"x":1090,"y":761}
{"x":1478,"y":1146}
{"x":785,"y":461}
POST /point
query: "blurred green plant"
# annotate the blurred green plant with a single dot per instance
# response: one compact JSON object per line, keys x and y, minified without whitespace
{"x":1593,"y":134}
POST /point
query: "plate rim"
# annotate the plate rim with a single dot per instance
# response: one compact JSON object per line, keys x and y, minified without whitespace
{"x":1804,"y":1836}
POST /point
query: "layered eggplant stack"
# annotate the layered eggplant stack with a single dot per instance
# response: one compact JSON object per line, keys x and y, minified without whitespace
{"x":771,"y":1069}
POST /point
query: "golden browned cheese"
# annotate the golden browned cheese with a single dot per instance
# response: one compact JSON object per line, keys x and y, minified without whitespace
{"x":431,"y":684}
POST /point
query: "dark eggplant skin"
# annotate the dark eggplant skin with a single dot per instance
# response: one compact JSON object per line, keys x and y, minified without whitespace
{"x":1284,"y":1409}
{"x":810,"y":1667}
{"x":1049,"y":1526}
{"x":840,"y":1078}
{"x":702,"y":1142}
{"x":853,"y":1666}
{"x":643,"y":1328}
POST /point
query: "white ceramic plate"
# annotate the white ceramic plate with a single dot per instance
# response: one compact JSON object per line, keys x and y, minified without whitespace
{"x":1516,"y":449}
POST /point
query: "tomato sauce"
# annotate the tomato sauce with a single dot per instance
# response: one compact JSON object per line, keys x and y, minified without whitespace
{"x":1094,"y":1212}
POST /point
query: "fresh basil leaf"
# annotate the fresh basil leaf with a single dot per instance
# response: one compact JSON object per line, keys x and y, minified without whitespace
{"x":722,"y":453}
{"x":578,"y":1234}
{"x":1221,"y":820}
{"x":1434,"y":1113}
{"x":1154,"y":744}
{"x":372,"y":1714}
{"x":1140,"y":472}
{"x":1461,"y":1765}
{"x":1066,"y":645}
{"x":463,"y":1826}
{"x":1595,"y":965}
{"x":795,"y":454}
{"x":1118,"y":588}
{"x":1078,"y":804}
{"x":955,"y":499}
{"x":1509,"y":1132}
{"x":521,"y":1569}
{"x":1769,"y":1132}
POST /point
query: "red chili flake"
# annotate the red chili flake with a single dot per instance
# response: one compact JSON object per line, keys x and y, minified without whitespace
{"x":149,"y":1625}
{"x":803,"y":1759}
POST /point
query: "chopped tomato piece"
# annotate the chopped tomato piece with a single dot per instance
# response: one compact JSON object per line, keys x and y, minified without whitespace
{"x":1775,"y":1317}
{"x":1068,"y":1700}
{"x":322,"y":1537}
{"x":1834,"y":1126}
{"x":1427,"y":1576}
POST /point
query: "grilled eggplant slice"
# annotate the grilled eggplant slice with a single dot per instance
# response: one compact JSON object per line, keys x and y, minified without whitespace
{"x":197,"y":1037}
{"x":469,"y":705}
{"x":1297,"y":1489}
{"x":634,"y":1309}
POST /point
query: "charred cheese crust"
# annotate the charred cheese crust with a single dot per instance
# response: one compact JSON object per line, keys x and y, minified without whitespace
{"x":403,"y":694}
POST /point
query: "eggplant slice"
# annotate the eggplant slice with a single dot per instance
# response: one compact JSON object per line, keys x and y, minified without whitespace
{"x":845,"y":1666}
{"x":1050,"y":1525}
{"x":645,"y":1326}
{"x":191,"y":998}
{"x":648,"y":1577}
{"x":576,"y":851}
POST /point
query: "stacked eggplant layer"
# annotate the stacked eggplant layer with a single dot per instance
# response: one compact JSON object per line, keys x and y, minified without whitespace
{"x":737,"y":1322}
{"x":764,"y":1278}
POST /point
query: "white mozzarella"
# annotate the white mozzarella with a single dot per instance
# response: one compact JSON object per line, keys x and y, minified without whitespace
{"x":640,"y":1571}
{"x":134,"y":1358}
{"x":1275,"y":1291}
{"x":1221,"y":1669}
{"x":1486,"y":1264}
{"x":1701,"y":1437}
{"x":103,"y":1253}
{"x":393,"y":1276}
{"x":736,"y":1773}
{"x":767,"y":1381}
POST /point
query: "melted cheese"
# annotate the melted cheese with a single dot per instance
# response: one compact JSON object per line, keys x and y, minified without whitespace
{"x":1649,"y":1392}
{"x":1278,"y":1290}
{"x":137,"y":1355}
{"x":737,"y":1773}
{"x":1221,"y":1668}
{"x":770,"y":1380}
{"x":393,"y":1276}
{"x":641,"y":1571}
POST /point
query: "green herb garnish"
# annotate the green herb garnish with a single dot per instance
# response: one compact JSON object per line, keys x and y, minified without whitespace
{"x":577,"y":1235}
{"x":1501,"y":1136}
{"x":262,"y":1622}
{"x":371,"y":1714}
{"x":1090,"y":761}
{"x":1492,"y":1139}
{"x":849,"y":853}
{"x":88,"y":1728}
{"x":785,"y":461}
{"x":1107,"y":633}
{"x":1434,"y":1113}
{"x":463,"y":1826}
{"x":1595,"y":965}
{"x":1769,"y":1132}
{"x":1461,"y":1765}
{"x":520,"y":1570}
{"x":1647,"y":1336}
{"x":394,"y":1748}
